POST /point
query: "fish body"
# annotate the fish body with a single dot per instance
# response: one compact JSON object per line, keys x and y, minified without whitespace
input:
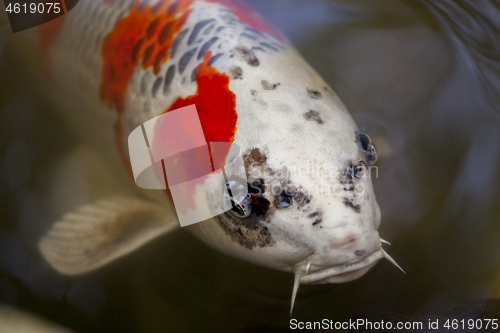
{"x":113,"y":65}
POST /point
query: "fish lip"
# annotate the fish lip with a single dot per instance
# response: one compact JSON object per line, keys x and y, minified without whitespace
{"x":353,"y":267}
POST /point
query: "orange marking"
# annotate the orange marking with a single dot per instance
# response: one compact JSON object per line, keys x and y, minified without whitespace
{"x":134,"y":39}
{"x":216,"y":106}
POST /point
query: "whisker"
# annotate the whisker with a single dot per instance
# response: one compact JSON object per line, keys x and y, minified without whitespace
{"x":384,"y":241}
{"x":388,"y":257}
{"x":296,"y":285}
{"x":307,"y":267}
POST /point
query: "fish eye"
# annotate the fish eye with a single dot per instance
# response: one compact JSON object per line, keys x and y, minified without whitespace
{"x":283,"y":200}
{"x":237,"y":199}
{"x":368,"y":147}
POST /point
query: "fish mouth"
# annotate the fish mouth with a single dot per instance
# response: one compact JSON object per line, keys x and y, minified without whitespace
{"x":345,"y":272}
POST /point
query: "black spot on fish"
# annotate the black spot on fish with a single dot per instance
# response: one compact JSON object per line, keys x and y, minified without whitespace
{"x":172,"y":8}
{"x":269,"y":46}
{"x":258,"y":48}
{"x":359,"y":253}
{"x":169,"y":77}
{"x":148,"y":54}
{"x":220,"y":29}
{"x":356,"y":171}
{"x":317,"y":217}
{"x":184,"y":60}
{"x":255,"y":156}
{"x":236,"y":73}
{"x":245,"y":35}
{"x":144,"y":84}
{"x":256,"y":32}
{"x":349,"y":203}
{"x":313,"y":115}
{"x":206,"y":47}
{"x":247,"y":55}
{"x":197,"y":28}
{"x":249,"y":232}
{"x":300,"y":198}
{"x":136,"y":49}
{"x":209,"y":29}
{"x":176,"y":42}
{"x":313,"y":215}
{"x":165,"y":32}
{"x":158,"y":60}
{"x":262,"y":206}
{"x":314,"y":94}
{"x":256,"y":97}
{"x":257,"y":186}
{"x":318,"y":221}
{"x":157,"y":85}
{"x":214,"y":58}
{"x":183,"y":20}
{"x":196,"y":72}
{"x":368,"y":147}
{"x":269,"y":86}
{"x":151,"y":28}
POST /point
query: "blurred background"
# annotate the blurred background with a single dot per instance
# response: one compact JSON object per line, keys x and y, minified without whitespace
{"x":422,"y":78}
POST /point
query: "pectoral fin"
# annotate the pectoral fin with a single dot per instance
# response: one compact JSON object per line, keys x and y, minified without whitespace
{"x":99,"y":233}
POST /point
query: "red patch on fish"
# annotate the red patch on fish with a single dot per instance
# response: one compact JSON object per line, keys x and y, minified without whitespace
{"x":216,"y":106}
{"x":143,"y":37}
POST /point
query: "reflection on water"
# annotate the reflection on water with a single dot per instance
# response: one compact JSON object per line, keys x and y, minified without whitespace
{"x":422,"y":78}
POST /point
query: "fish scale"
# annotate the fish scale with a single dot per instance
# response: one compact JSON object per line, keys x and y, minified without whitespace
{"x":112,"y":65}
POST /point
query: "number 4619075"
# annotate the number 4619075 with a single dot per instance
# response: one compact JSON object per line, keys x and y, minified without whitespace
{"x":48,"y":7}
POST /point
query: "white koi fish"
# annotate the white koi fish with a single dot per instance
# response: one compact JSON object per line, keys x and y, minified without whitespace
{"x":113,"y":65}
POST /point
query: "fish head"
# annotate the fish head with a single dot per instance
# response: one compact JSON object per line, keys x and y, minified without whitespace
{"x":310,"y":208}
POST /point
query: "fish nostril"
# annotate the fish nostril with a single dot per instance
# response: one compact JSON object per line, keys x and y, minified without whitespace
{"x":346,"y":242}
{"x":359,"y":253}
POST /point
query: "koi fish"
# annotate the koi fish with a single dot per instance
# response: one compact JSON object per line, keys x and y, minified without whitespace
{"x":310,"y":208}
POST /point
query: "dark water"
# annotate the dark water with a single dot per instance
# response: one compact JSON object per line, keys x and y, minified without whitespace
{"x":421,"y":77}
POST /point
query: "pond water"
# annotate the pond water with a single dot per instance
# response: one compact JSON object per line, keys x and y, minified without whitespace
{"x":422,"y":78}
